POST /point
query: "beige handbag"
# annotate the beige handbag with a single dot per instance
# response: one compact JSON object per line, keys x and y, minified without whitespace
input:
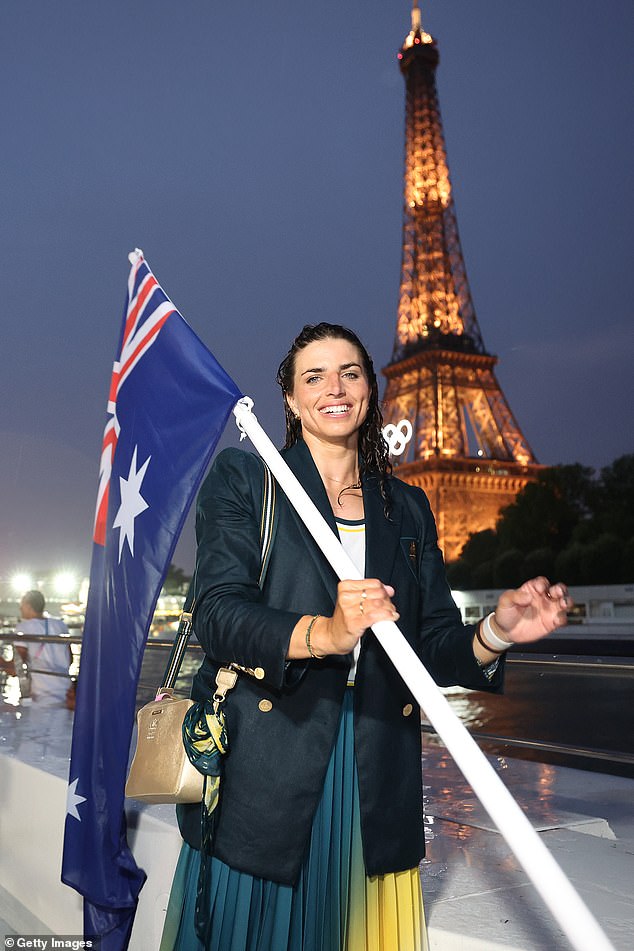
{"x":161,"y":770}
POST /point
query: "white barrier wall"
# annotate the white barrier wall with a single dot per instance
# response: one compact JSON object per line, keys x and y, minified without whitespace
{"x":32,"y":813}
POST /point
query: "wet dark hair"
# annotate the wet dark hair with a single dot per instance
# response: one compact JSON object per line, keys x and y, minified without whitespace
{"x":373,"y":451}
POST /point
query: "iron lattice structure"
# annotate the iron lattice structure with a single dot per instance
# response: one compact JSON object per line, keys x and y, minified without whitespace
{"x":467,"y":450}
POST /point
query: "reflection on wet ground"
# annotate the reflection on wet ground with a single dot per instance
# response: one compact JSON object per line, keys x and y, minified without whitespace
{"x":548,"y":794}
{"x":9,"y":682}
{"x":474,"y":886}
{"x":37,"y":735}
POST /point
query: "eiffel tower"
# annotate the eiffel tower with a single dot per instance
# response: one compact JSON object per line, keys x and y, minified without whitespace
{"x":467,"y":451}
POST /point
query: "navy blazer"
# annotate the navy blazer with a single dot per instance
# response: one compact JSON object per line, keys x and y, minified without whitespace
{"x":279,"y":749}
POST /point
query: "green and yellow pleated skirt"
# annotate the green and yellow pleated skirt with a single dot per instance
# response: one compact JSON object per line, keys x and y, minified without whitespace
{"x":333,"y":906}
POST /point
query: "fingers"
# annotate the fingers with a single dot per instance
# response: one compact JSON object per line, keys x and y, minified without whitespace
{"x":527,"y":592}
{"x":534,"y":610}
{"x":556,"y":594}
{"x":359,"y":605}
{"x":559,"y":592}
{"x":366,"y":601}
{"x":541,"y":588}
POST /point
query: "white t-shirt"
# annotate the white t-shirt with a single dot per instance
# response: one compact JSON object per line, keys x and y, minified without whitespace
{"x":352,"y":537}
{"x":49,"y":663}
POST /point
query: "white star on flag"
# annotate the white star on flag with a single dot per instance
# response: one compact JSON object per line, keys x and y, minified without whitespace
{"x":73,"y":800}
{"x":132,"y":503}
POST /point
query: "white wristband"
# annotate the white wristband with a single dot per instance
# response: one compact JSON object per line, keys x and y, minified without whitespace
{"x":495,"y":643}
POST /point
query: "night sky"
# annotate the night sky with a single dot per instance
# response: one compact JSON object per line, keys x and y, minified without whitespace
{"x":255,"y":152}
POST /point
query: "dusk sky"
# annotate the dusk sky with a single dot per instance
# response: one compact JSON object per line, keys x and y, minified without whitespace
{"x":254,"y":151}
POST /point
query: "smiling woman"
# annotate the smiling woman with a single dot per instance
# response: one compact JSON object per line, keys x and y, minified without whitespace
{"x":319,"y":833}
{"x":330,"y":385}
{"x":329,"y":398}
{"x":329,"y":373}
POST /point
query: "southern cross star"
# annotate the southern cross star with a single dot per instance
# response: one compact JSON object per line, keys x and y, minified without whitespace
{"x":73,"y":800}
{"x":132,"y":503}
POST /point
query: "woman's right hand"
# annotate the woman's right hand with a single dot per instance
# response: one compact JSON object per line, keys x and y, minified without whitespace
{"x":359,"y":605}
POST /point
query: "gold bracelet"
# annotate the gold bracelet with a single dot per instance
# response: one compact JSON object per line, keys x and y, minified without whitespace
{"x":308,"y":644}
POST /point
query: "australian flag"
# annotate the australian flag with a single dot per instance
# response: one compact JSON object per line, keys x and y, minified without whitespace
{"x":169,"y":402}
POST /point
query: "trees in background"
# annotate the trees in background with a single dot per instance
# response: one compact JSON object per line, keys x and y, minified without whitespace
{"x":176,"y":581}
{"x":570,"y":524}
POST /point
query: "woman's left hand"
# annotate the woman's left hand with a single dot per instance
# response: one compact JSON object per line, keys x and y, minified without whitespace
{"x":532,"y":611}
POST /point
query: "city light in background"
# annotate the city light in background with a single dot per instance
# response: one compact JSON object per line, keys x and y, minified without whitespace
{"x":66,"y":594}
{"x":56,"y":585}
{"x":21,"y":582}
{"x":65,"y":584}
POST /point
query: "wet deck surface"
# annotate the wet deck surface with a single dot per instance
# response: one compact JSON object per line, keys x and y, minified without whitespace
{"x":474,"y":886}
{"x":476,"y":894}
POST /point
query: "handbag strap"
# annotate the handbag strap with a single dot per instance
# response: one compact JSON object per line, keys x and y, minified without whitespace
{"x":185,"y":622}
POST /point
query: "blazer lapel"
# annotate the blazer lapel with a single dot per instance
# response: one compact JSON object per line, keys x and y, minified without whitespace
{"x":382,"y":535}
{"x":300,"y":462}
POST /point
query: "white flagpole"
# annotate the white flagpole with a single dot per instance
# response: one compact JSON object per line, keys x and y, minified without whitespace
{"x":564,"y":902}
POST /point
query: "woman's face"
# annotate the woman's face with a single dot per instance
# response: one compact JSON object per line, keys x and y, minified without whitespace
{"x":330,"y":390}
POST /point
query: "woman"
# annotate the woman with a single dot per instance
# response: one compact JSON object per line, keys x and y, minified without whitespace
{"x":319,"y":833}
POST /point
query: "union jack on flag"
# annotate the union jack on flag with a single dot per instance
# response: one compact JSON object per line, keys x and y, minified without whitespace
{"x":168,"y":404}
{"x":148,"y":309}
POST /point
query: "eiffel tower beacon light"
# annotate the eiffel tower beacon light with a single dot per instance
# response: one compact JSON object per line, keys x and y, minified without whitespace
{"x":467,"y":451}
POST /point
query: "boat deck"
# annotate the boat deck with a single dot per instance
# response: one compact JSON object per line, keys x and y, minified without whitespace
{"x":477,"y":897}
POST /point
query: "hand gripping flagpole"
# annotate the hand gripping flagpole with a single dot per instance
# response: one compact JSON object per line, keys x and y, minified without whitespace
{"x":564,"y":902}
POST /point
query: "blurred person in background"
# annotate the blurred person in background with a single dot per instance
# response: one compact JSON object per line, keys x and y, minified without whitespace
{"x":49,"y":664}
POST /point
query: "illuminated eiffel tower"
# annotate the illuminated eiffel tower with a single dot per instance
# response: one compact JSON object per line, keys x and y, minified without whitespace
{"x":467,"y":451}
